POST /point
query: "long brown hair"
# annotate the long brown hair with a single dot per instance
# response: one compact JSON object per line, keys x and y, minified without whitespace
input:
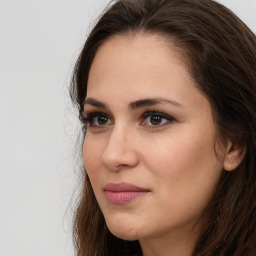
{"x":220,"y":51}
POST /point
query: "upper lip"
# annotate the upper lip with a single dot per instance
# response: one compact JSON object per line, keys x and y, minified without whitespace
{"x":123,"y":187}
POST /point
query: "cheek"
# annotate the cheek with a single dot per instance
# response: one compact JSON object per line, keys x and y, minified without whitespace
{"x":185,"y":164}
{"x":91,"y":155}
{"x":185,"y":177}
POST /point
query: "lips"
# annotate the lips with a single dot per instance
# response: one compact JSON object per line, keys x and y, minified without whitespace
{"x":123,"y":193}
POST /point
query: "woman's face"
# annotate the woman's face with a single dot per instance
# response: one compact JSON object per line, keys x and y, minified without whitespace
{"x":149,"y":147}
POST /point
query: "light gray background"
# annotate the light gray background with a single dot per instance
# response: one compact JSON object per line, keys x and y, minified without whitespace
{"x":39,"y":42}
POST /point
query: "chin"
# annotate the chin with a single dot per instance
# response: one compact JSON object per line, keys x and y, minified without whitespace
{"x":124,"y":229}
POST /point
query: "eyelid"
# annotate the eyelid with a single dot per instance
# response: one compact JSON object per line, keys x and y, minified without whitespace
{"x":86,"y":116}
{"x":88,"y":119}
{"x":157,"y":113}
{"x":93,"y":114}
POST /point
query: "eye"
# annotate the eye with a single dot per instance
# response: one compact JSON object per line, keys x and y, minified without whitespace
{"x":98,"y":120}
{"x":156,"y":119}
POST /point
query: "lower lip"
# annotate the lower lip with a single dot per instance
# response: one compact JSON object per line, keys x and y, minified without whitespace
{"x":123,"y":197}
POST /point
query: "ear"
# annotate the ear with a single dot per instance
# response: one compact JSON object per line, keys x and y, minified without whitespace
{"x":235,"y":153}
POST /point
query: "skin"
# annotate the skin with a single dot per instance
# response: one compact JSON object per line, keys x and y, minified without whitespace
{"x":174,"y":158}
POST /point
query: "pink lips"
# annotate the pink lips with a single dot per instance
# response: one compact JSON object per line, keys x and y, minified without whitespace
{"x":123,"y":193}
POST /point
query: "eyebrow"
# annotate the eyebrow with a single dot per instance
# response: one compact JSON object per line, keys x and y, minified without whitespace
{"x":95,"y":103}
{"x":151,"y":102}
{"x":135,"y":104}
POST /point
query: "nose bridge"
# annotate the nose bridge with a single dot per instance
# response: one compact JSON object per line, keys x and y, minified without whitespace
{"x":117,"y":139}
{"x":119,"y":150}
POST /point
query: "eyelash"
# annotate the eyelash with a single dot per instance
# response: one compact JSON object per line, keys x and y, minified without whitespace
{"x":168,"y":119}
{"x":89,"y":119}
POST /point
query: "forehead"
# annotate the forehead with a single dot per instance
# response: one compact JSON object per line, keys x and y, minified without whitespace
{"x":142,"y":62}
{"x":130,"y":69}
{"x":138,"y":48}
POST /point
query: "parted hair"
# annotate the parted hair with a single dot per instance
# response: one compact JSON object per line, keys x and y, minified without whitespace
{"x":220,"y":53}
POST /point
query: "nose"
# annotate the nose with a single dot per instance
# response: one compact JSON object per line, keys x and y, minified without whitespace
{"x":120,"y":151}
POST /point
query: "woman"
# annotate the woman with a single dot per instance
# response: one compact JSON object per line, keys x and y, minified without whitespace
{"x":166,"y":90}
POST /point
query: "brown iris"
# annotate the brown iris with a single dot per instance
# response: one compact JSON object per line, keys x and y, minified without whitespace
{"x":155,"y":120}
{"x":102,"y":120}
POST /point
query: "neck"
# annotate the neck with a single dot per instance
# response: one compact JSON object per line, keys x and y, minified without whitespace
{"x":180,"y":243}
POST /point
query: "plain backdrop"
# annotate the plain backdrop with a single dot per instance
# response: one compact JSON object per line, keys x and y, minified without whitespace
{"x":39,"y":43}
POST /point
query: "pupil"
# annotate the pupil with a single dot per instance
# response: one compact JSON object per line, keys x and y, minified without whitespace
{"x":102,"y":120}
{"x":155,"y":120}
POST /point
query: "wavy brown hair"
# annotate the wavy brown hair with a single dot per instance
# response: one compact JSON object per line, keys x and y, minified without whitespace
{"x":220,"y":52}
